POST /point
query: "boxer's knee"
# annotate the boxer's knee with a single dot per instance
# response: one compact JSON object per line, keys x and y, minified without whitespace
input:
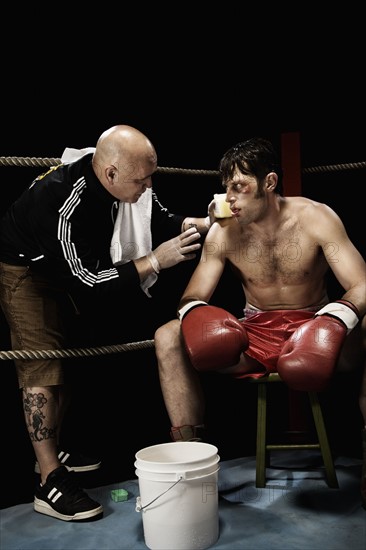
{"x":167,"y":337}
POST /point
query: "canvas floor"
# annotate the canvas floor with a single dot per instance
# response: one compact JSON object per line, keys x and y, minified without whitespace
{"x":296,"y":510}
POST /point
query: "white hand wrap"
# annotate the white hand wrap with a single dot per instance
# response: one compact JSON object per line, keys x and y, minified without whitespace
{"x":187,"y":307}
{"x":342,"y":312}
{"x":154,"y":262}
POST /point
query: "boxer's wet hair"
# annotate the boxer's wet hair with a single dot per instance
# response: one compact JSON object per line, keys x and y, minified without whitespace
{"x":255,"y":156}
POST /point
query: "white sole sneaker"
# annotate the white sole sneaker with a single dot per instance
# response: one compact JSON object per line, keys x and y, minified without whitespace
{"x":79,"y":464}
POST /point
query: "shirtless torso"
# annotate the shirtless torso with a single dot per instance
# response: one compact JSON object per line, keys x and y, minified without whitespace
{"x":280,"y":249}
{"x":282,"y":259}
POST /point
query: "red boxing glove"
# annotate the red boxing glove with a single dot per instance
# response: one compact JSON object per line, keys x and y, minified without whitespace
{"x":213,"y":337}
{"x":308,"y":358}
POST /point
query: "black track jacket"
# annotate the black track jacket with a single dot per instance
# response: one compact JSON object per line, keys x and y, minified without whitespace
{"x":62,"y":225}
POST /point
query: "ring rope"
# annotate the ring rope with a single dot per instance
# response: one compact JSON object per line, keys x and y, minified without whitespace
{"x":30,"y":162}
{"x":48,"y":162}
{"x":334,"y":167}
{"x":74,"y":352}
{"x":104,"y":350}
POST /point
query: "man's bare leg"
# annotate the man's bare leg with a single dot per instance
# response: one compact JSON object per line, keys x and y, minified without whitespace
{"x":41,"y":407}
{"x":180,"y":384}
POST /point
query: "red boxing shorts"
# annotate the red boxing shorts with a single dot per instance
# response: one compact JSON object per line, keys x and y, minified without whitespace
{"x":267,"y":332}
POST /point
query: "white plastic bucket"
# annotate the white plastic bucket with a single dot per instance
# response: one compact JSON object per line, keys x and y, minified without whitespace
{"x":178,"y":495}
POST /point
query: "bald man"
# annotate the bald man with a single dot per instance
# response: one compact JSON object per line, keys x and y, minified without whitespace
{"x":55,"y":244}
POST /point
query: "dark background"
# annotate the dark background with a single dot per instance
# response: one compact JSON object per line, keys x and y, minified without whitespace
{"x":195,"y":83}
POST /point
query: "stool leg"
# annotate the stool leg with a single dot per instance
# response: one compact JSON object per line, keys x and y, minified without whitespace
{"x":261,"y":436}
{"x":323,"y":441}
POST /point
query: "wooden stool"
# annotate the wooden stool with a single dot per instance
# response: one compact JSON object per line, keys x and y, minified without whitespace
{"x":263,"y":449}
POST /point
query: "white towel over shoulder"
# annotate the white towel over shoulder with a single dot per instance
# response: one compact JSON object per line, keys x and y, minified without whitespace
{"x":132,"y":234}
{"x":71,"y":155}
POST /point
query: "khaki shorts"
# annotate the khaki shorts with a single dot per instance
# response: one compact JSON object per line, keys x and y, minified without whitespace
{"x":33,"y":307}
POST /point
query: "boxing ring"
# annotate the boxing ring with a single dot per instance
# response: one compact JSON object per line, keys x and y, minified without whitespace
{"x":296,"y":509}
{"x":292,"y":185}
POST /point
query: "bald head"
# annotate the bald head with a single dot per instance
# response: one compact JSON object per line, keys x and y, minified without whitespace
{"x":124,"y":154}
{"x":120,"y":142}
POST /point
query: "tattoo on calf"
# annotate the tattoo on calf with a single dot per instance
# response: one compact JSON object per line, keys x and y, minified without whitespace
{"x":33,"y":403}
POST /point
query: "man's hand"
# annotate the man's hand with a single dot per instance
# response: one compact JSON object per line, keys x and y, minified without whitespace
{"x":179,"y":249}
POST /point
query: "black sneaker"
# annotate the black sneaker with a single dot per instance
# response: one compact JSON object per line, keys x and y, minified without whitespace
{"x":74,"y":462}
{"x":61,"y":498}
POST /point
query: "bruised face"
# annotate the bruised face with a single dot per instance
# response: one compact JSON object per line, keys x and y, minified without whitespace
{"x":246,"y":196}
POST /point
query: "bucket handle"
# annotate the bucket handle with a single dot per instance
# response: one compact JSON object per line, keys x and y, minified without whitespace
{"x":138,"y":499}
